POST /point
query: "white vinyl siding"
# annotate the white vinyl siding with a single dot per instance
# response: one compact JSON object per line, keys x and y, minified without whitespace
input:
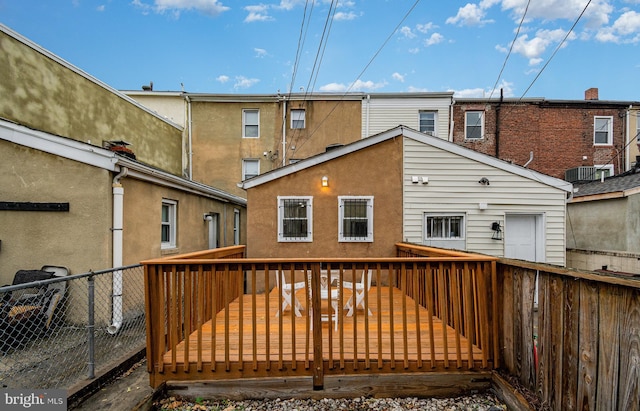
{"x":382,"y":114}
{"x":454,"y":189}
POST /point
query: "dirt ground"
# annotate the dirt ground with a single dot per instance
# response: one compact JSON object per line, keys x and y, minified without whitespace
{"x":128,"y":392}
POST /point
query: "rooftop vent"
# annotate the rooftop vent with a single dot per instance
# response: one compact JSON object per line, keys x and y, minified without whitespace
{"x":332,"y":147}
{"x":120,"y":147}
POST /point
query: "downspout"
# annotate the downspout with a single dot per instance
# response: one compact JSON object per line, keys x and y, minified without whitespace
{"x":451,"y":122}
{"x":627,"y":149}
{"x":118,"y":212}
{"x":498,"y":125}
{"x":189,"y":147}
{"x":530,"y":159}
{"x":366,"y":121}
{"x":284,"y":131}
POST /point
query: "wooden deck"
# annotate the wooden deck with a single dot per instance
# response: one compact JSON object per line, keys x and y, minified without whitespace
{"x":394,"y":335}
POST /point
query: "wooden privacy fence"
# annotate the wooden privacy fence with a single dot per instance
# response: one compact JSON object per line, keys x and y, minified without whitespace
{"x":587,"y":331}
{"x":218,"y":316}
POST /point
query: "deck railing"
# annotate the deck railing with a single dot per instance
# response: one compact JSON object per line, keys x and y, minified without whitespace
{"x":213,"y":315}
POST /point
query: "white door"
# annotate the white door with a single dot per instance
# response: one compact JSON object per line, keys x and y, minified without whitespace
{"x":213,"y":230}
{"x":522,"y":237}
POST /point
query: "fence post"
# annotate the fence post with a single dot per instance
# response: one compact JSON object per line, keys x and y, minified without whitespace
{"x":91,"y":327}
{"x":318,"y":363}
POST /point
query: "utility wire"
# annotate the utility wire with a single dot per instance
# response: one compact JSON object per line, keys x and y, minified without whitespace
{"x":415,"y":4}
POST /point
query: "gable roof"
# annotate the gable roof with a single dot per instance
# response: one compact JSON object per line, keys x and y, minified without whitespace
{"x":407,"y":132}
{"x":622,"y":185}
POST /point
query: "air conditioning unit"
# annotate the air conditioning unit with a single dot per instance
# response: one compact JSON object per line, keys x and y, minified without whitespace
{"x":583,"y":173}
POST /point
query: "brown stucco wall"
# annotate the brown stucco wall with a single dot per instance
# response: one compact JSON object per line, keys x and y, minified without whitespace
{"x":326,"y":122}
{"x":218,"y":145}
{"x":375,"y":171}
{"x":42,"y":94}
{"x":79,"y":239}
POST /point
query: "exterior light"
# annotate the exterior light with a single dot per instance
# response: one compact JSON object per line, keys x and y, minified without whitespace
{"x":325,"y":181}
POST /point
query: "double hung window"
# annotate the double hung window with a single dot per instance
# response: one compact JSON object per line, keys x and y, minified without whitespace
{"x":295,"y":219}
{"x":297,"y":118}
{"x":355,"y":219}
{"x":250,"y":123}
{"x":603,"y":131}
{"x":168,"y":224}
{"x":474,"y":125}
{"x":250,"y":168}
{"x":428,"y":122}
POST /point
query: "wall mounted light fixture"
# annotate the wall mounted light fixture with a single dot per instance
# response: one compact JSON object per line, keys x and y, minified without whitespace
{"x":325,"y":181}
{"x":497,"y":231}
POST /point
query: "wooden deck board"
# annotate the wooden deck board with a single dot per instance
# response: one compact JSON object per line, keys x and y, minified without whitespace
{"x":352,"y":342}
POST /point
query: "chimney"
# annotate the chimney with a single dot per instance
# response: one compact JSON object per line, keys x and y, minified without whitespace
{"x":591,"y":94}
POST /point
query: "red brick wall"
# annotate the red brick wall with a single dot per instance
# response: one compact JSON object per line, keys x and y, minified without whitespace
{"x":559,"y":135}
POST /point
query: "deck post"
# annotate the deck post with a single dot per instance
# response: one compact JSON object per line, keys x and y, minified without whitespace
{"x":318,"y":364}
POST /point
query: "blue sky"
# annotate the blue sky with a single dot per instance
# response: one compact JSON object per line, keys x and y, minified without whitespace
{"x":247,"y":47}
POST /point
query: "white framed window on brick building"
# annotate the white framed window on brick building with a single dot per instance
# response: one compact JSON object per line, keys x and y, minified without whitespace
{"x":250,"y":123}
{"x":168,"y":224}
{"x":355,"y":218}
{"x":295,"y":219}
{"x":605,"y":170}
{"x":250,"y":168}
{"x":603,"y":130}
{"x":297,"y":118}
{"x":428,"y":120}
{"x":473,"y":125}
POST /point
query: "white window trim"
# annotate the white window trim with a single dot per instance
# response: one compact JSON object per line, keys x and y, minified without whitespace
{"x":435,"y":122}
{"x":600,"y":167}
{"x":463,"y":229}
{"x":481,"y":125}
{"x":244,"y":122}
{"x":172,"y":223}
{"x":309,"y":237}
{"x":303,"y":118}
{"x":609,"y":131}
{"x":246,"y":161}
{"x":369,"y":238}
{"x":236,"y":226}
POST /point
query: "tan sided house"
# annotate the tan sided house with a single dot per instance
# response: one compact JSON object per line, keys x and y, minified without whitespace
{"x":359,"y":199}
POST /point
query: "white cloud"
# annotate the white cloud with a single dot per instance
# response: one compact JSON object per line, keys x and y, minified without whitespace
{"x":507,"y":89}
{"x":406,"y":31}
{"x":626,"y":29}
{"x":397,"y":76}
{"x":434,"y":39}
{"x":222,"y":78}
{"x":424,"y":28}
{"x":534,"y":48}
{"x":595,"y":15}
{"x":208,"y":7}
{"x":359,"y":85}
{"x":257,"y":13}
{"x":413,"y":89}
{"x":414,"y":50}
{"x":469,"y":15}
{"x":243,"y":82}
{"x":260,"y":53}
{"x":101,"y":7}
{"x":341,"y":16}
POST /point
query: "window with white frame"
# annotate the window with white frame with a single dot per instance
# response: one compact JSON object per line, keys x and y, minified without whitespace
{"x":603,"y":130}
{"x":355,"y":219}
{"x":250,"y":168}
{"x":250,"y":123}
{"x":168,"y":224}
{"x":297,"y":118}
{"x":473,"y":125}
{"x":295,"y":219}
{"x":637,"y":125}
{"x":605,"y":170}
{"x":444,"y":226}
{"x":428,"y":122}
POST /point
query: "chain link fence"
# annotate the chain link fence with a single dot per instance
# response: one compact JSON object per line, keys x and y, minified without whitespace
{"x":59,"y":331}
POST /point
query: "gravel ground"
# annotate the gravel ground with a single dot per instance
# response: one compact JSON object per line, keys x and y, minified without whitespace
{"x":477,"y":402}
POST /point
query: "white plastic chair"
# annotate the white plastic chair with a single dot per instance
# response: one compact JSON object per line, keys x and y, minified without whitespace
{"x":358,"y":291}
{"x":288,"y":292}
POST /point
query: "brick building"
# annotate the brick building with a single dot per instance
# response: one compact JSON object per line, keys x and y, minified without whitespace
{"x":549,"y":136}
